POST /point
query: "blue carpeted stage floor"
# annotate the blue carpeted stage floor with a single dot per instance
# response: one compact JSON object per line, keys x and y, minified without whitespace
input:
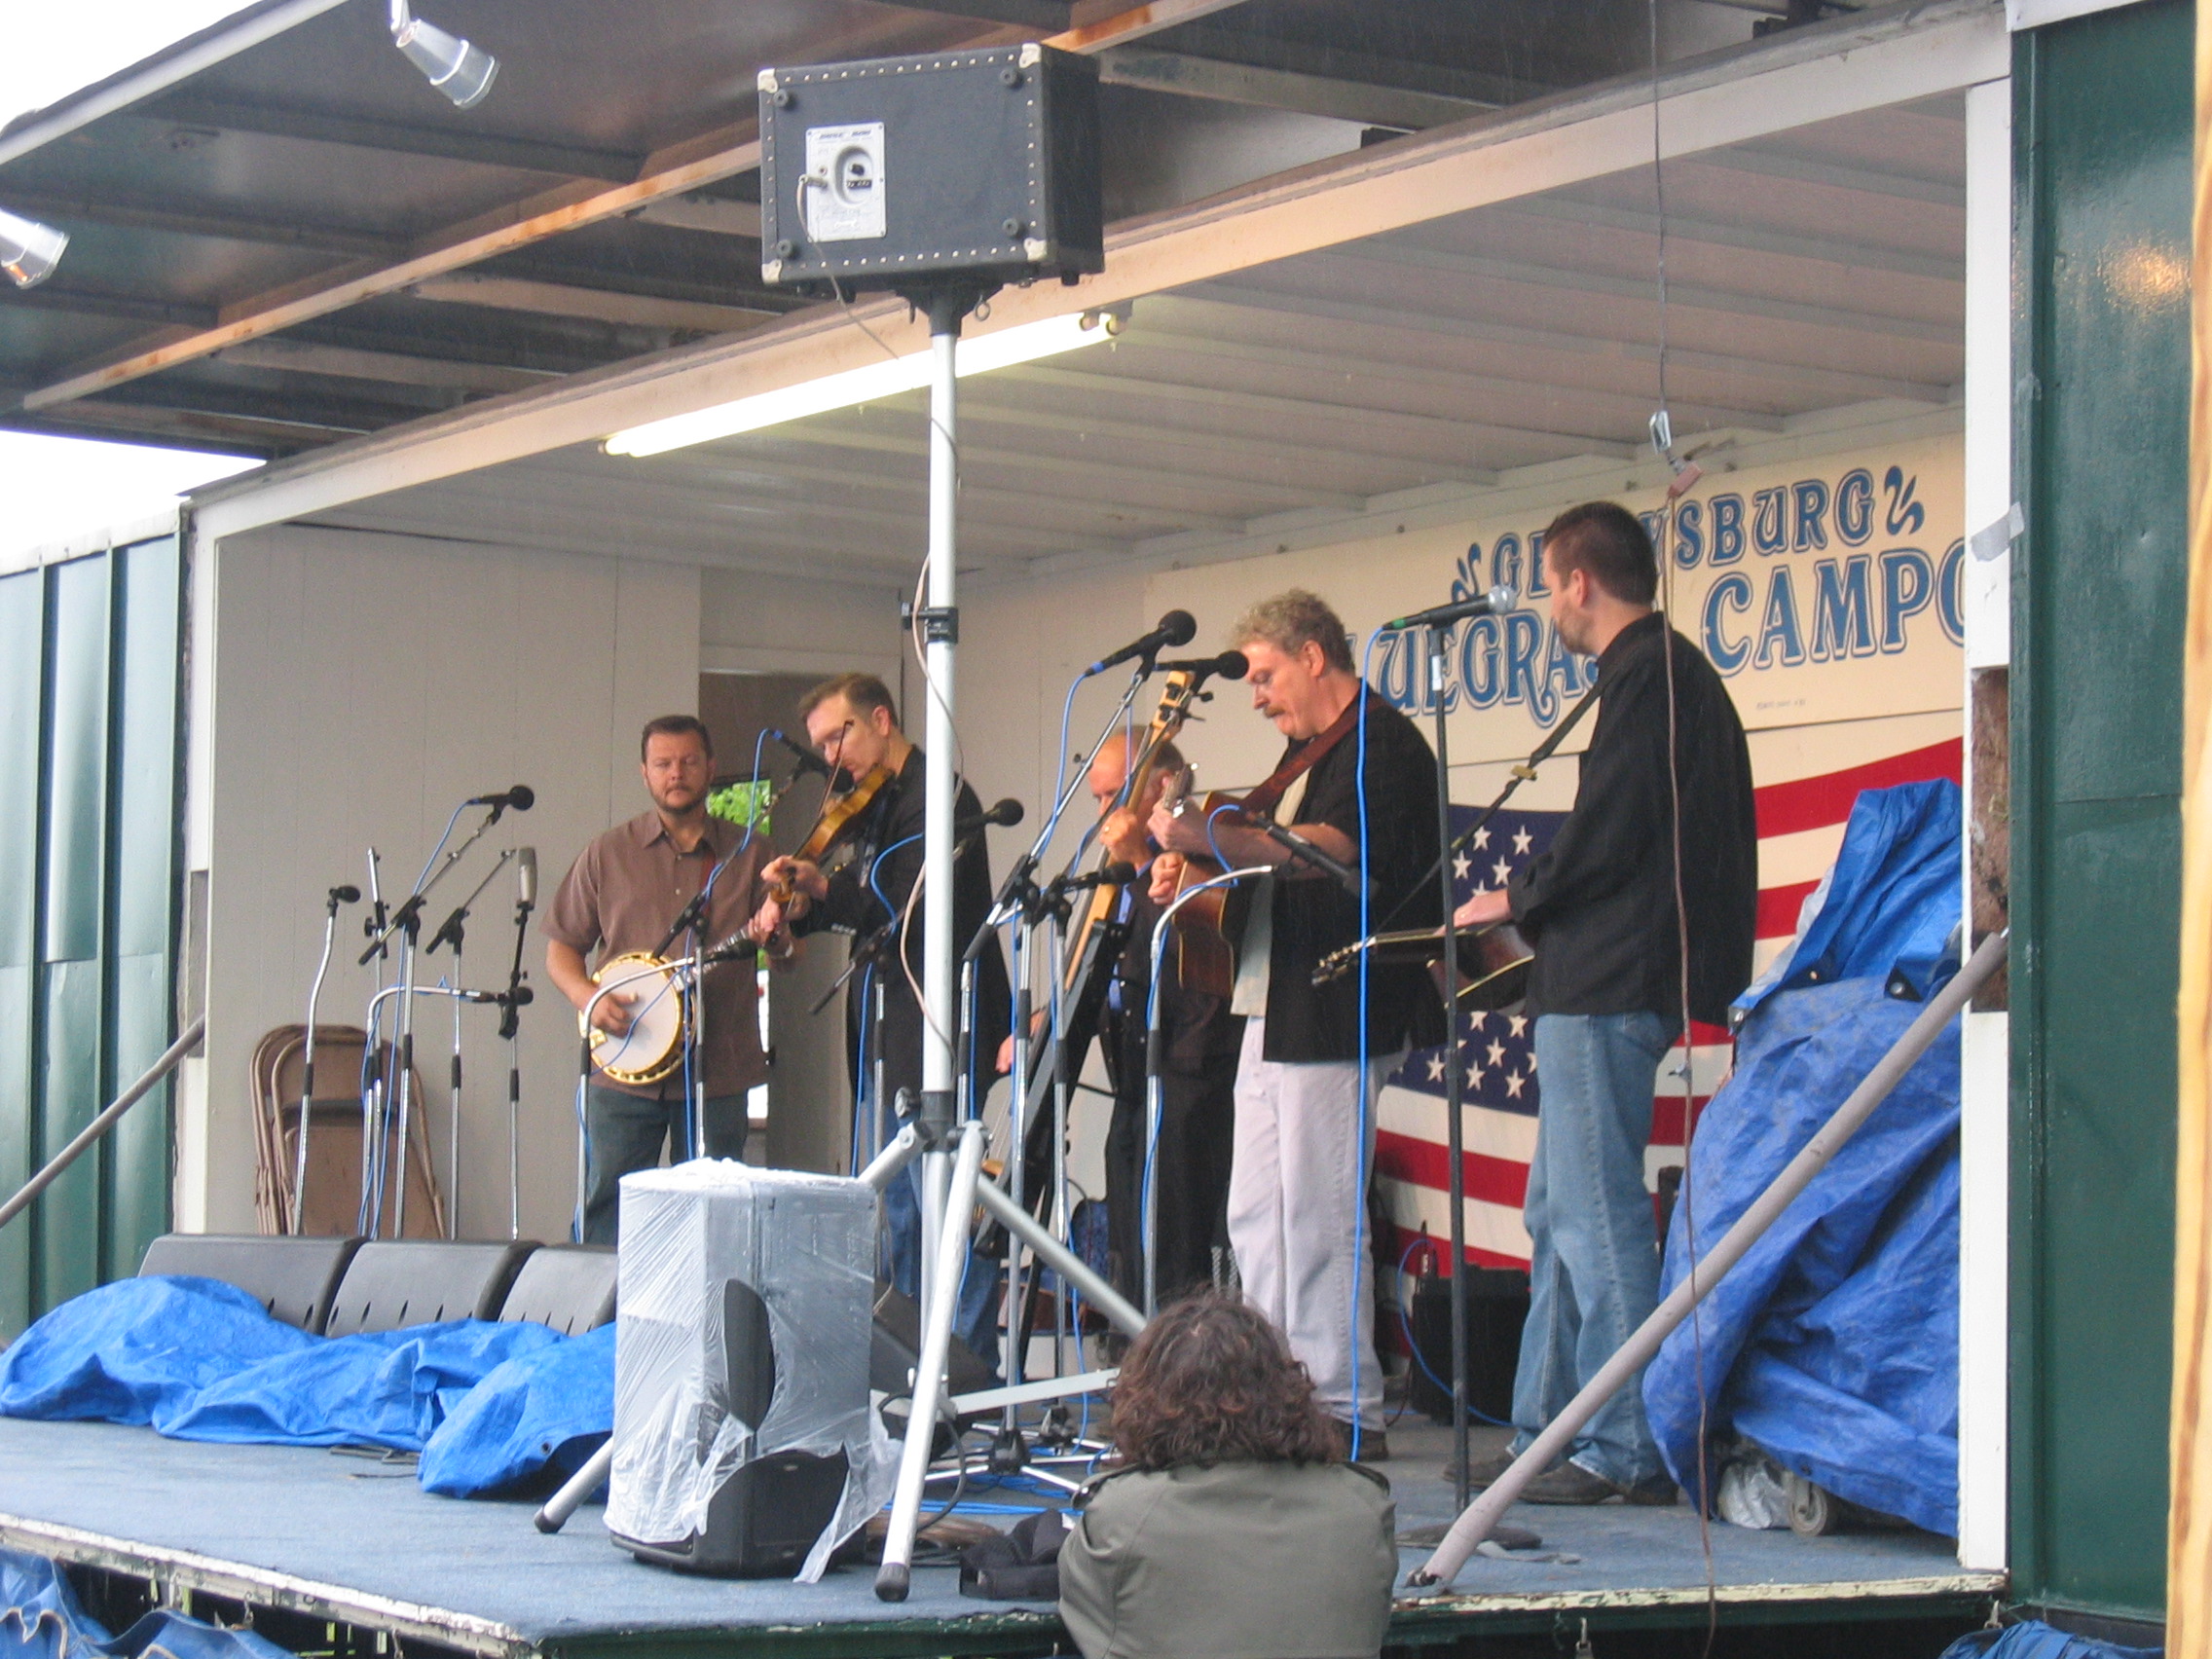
{"x":348,"y":1539}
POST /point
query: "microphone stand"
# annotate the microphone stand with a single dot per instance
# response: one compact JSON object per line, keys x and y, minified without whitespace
{"x":1019,"y":896}
{"x":453,"y":929}
{"x":374,"y":1078}
{"x":407,"y":923}
{"x":1455,"y":1126}
{"x":518,"y":996}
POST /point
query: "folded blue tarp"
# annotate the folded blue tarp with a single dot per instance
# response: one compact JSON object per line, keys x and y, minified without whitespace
{"x":2032,"y":1638}
{"x":551,"y":1406}
{"x":40,"y":1618}
{"x":197,"y":1359}
{"x":1835,"y":1343}
{"x":1886,"y":906}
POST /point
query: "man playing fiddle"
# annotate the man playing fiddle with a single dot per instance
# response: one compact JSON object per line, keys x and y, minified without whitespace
{"x":852,"y":721}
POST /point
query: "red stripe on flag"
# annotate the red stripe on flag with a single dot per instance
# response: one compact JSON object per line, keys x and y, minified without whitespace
{"x":1779,"y":908}
{"x":1667,"y":1116}
{"x":1810,"y":803}
{"x":1427,"y":1164}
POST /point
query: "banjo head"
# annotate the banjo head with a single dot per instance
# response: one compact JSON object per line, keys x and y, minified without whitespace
{"x":653,"y":1045}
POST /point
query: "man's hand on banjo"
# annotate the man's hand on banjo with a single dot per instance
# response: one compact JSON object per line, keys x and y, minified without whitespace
{"x":612,"y":1014}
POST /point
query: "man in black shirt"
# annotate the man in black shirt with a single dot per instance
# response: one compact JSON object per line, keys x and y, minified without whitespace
{"x":1295,"y":1194}
{"x":852,"y":721}
{"x":1199,"y":1042}
{"x":1600,"y":905}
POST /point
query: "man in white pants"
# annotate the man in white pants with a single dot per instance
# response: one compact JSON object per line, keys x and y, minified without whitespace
{"x":1296,"y":1187}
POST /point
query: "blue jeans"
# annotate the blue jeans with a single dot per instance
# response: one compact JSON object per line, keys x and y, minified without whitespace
{"x":1593,"y":1276}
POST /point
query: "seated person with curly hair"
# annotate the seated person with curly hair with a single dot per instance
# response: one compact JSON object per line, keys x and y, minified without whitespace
{"x":1233,"y":1527}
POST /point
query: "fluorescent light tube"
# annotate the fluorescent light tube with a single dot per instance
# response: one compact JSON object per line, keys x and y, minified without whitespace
{"x":871,"y":382}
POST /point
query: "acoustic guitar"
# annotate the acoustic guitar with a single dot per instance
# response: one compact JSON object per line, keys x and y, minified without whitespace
{"x":1493,"y":962}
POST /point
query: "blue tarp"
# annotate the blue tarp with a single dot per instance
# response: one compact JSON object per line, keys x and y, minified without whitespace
{"x":2032,"y":1638}
{"x":486,"y":1404}
{"x":1887,"y":909}
{"x":40,"y":1619}
{"x":1833,"y":1344}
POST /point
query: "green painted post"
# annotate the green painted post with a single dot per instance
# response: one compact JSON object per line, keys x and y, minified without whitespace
{"x":2103,"y":127}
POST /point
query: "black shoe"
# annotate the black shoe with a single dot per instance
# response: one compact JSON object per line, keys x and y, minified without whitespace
{"x":1571,"y":1483}
{"x":1486,"y":1472}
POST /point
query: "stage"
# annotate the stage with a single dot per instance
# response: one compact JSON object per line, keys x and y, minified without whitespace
{"x":353,"y":1541}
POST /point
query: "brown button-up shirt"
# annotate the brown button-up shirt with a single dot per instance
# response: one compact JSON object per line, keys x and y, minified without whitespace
{"x":624,"y":893}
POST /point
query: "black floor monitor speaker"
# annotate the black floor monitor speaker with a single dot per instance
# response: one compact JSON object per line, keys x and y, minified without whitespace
{"x":902,"y":172}
{"x":741,"y":1363}
{"x":1497,"y":1305}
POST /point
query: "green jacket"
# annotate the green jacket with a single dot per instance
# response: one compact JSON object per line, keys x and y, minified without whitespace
{"x":1241,"y":1561}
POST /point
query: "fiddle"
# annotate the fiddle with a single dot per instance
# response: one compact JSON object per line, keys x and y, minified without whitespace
{"x":838,"y":814}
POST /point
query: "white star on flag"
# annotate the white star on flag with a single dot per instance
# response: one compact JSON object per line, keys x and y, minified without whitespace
{"x":1521,"y":840}
{"x":1513,"y":1083}
{"x":1497,"y":1054}
{"x":1519,"y":1023}
{"x":1474,"y":1077}
{"x":1461,"y":865}
{"x":1482,"y":840}
{"x":1501,"y":870}
{"x":1436,"y":1067}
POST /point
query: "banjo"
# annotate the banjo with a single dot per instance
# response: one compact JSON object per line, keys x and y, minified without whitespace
{"x":652,"y":992}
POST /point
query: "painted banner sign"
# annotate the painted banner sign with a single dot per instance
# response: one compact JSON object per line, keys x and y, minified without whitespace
{"x":1824,"y":589}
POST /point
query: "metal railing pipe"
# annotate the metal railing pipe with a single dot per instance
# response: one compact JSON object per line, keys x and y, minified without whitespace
{"x":1475,"y":1524}
{"x":186,"y":1042}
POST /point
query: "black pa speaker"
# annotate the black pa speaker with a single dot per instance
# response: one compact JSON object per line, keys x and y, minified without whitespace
{"x":900,"y":172}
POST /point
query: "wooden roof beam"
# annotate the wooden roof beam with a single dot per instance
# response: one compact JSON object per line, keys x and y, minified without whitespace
{"x":667,"y":173}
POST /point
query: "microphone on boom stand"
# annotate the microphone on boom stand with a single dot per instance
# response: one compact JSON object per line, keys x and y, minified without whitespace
{"x":1498,"y":597}
{"x":522,"y":797}
{"x":1176,"y":628}
{"x":1230,"y":665}
{"x":809,"y":758}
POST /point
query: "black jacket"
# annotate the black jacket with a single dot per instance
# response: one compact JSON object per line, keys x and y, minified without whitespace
{"x":853,"y":905}
{"x":1599,"y":903}
{"x":1313,"y":917}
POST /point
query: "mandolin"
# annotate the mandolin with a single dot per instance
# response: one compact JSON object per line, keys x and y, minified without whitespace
{"x":1493,"y":962}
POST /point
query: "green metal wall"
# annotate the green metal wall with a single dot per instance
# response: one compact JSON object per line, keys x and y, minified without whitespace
{"x":90,"y":673}
{"x":2102,"y":128}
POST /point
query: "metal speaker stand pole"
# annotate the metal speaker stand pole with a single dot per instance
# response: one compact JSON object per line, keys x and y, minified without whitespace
{"x":940,"y":633}
{"x":1455,"y":1129}
{"x":452,"y":1109}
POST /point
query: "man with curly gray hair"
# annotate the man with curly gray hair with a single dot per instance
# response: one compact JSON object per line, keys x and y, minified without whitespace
{"x":1358,"y":782}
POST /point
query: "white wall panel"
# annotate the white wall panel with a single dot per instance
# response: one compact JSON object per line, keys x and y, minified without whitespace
{"x":363,"y":686}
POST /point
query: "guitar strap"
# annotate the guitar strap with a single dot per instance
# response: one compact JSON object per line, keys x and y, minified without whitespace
{"x":1261,"y":802}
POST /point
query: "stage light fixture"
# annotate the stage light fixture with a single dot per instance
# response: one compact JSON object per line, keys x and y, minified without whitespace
{"x":460,"y":69}
{"x":30,"y":250}
{"x":871,"y":382}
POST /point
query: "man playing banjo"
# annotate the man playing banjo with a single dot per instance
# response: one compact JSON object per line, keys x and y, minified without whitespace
{"x":623,"y":895}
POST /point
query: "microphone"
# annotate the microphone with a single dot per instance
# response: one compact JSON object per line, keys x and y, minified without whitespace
{"x":346,"y":895}
{"x":809,"y":760}
{"x":526,"y":877}
{"x":1306,"y":852}
{"x":522,"y":797}
{"x":1230,"y":665}
{"x":1500,"y":597}
{"x":1176,"y":628}
{"x":1002,"y":815}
